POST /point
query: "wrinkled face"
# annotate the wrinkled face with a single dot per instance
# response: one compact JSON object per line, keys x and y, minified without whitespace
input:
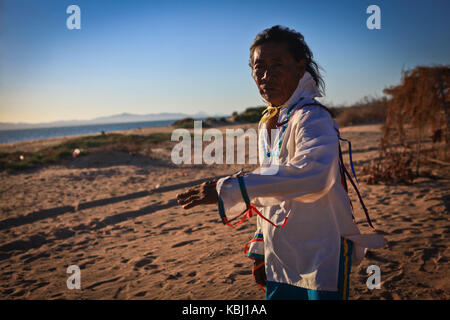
{"x":276,"y":72}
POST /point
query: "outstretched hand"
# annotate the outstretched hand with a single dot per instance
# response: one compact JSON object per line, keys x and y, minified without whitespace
{"x":204,"y":193}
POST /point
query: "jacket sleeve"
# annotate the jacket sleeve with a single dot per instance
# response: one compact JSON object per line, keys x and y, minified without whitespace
{"x":256,"y":245}
{"x":308,"y":176}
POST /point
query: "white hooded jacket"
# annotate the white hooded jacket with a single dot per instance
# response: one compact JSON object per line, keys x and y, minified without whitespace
{"x":307,"y":188}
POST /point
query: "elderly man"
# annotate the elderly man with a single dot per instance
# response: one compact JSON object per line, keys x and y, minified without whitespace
{"x":306,"y":238}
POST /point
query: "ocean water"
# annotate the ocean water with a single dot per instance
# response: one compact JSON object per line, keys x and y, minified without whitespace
{"x":43,"y":133}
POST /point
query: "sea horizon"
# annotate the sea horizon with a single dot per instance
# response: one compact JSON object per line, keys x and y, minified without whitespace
{"x":17,"y":135}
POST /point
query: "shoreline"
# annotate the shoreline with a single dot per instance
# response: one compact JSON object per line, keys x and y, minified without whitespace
{"x":37,"y":144}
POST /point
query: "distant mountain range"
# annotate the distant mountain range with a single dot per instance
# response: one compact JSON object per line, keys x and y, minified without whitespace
{"x":118,"y":118}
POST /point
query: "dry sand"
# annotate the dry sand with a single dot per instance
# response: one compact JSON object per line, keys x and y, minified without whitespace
{"x":115,"y":216}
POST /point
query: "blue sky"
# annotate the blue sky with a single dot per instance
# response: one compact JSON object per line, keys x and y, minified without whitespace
{"x":190,"y":56}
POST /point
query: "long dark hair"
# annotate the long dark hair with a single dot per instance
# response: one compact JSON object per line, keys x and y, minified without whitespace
{"x":297,"y":47}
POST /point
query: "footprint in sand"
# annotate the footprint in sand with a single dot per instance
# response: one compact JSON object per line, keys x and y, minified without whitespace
{"x":146,"y":262}
{"x":64,"y":233}
{"x":398,"y":231}
{"x":26,"y":282}
{"x":40,"y":285}
{"x":141,"y":294}
{"x":385,"y":201}
{"x":244,"y":272}
{"x":200,"y":227}
{"x":19,"y":293}
{"x":230,"y":278}
{"x":38,"y":256}
{"x":8,"y":291}
{"x":183,"y":243}
{"x":240,"y":271}
{"x":119,"y":290}
{"x":405,"y":219}
{"x":162,"y":224}
{"x":174,"y":276}
{"x":92,"y":286}
{"x":429,"y":259}
{"x":166,"y":230}
{"x":393,"y":277}
{"x":246,"y":226}
{"x":83,"y":265}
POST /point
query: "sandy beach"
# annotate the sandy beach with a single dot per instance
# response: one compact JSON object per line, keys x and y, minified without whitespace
{"x":115,"y":216}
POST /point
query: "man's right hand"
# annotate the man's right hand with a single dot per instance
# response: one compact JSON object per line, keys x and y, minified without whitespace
{"x":204,"y":193}
{"x":260,"y":273}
